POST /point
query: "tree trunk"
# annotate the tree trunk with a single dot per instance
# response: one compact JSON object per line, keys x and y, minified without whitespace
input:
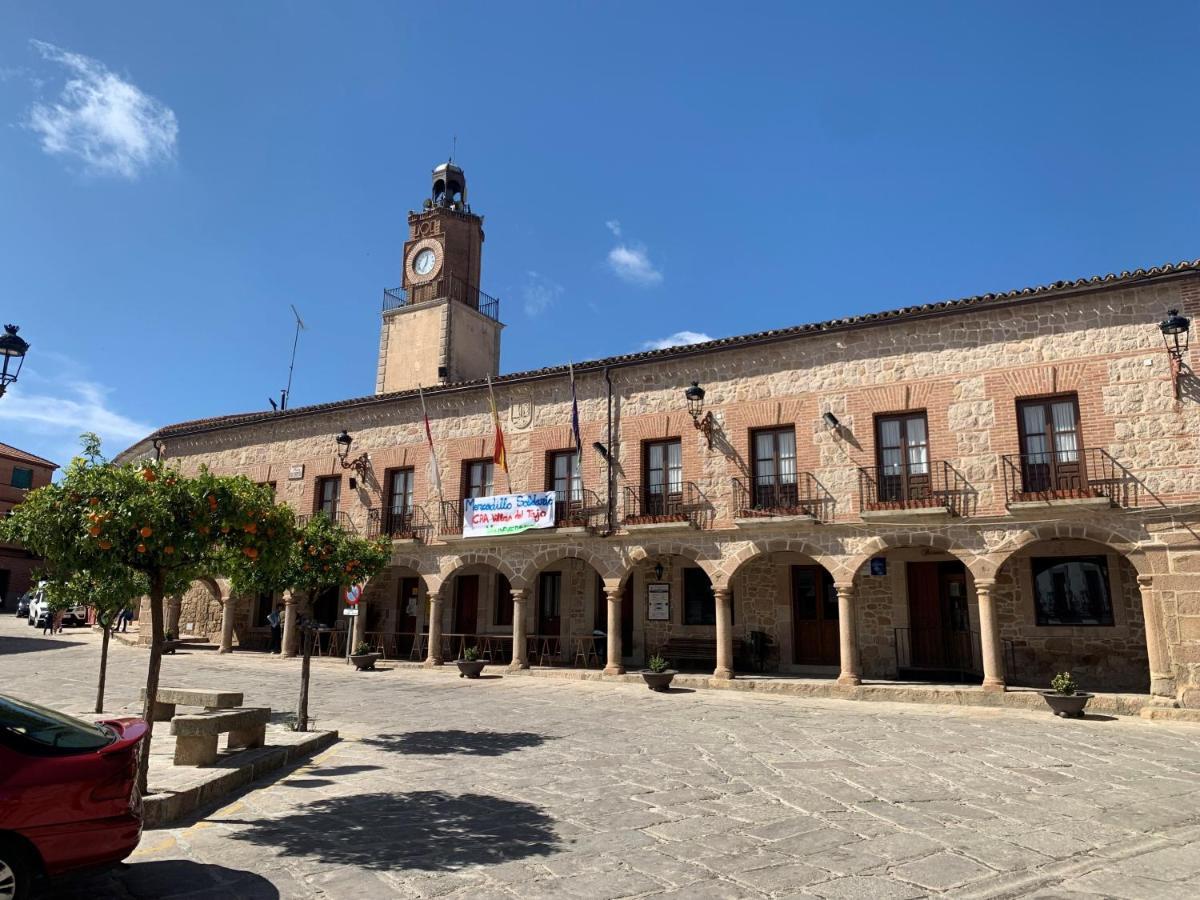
{"x":103,"y":663}
{"x":157,"y":589}
{"x":302,"y":709}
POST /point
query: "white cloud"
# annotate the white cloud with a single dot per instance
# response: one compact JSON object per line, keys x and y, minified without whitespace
{"x":539,"y":293}
{"x":614,"y":226}
{"x":45,"y":415}
{"x":629,"y":261}
{"x":108,"y":123}
{"x":678,"y":339}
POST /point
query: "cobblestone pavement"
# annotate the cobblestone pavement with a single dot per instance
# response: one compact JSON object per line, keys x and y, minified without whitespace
{"x":533,"y":788}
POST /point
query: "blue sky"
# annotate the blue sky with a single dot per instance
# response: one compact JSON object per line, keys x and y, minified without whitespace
{"x":173,"y":176}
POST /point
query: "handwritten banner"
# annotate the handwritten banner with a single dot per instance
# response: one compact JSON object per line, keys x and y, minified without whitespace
{"x":507,"y":513}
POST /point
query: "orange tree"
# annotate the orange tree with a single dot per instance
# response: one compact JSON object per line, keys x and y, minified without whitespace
{"x":323,"y":555}
{"x":108,"y":593}
{"x":150,"y":518}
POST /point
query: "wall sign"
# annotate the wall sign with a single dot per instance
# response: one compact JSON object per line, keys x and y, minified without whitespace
{"x":507,"y":513}
{"x":295,"y":473}
{"x":878,"y":566}
{"x":658,"y":601}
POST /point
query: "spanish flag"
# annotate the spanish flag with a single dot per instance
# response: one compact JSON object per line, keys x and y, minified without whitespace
{"x":499,"y":457}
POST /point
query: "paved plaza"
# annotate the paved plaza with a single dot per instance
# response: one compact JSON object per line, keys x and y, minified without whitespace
{"x":530,"y":787}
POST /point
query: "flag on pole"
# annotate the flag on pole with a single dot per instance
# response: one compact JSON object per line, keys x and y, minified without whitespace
{"x":499,"y":456}
{"x":575,"y":414}
{"x":435,"y":474}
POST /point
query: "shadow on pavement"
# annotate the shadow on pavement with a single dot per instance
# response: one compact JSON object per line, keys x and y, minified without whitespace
{"x":34,"y":644}
{"x":429,"y":830}
{"x":162,"y":879}
{"x":468,"y":743}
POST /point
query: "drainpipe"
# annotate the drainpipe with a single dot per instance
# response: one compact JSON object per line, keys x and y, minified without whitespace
{"x":612,"y":526}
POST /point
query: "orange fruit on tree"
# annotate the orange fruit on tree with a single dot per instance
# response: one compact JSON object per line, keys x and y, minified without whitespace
{"x":168,"y":549}
{"x":141,"y":548}
{"x":146,"y":531}
{"x":148,"y":475}
{"x":94,"y":530}
{"x":106,"y":545}
{"x":251,"y":552}
{"x":251,"y":528}
{"x":93,"y":501}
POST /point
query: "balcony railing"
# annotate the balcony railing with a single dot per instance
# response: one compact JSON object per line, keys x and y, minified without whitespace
{"x":579,"y":509}
{"x":775,"y":495}
{"x":922,"y":485}
{"x":412,"y":524}
{"x":663,"y":504}
{"x":340,"y":518}
{"x":1067,"y":475}
{"x":444,"y":286}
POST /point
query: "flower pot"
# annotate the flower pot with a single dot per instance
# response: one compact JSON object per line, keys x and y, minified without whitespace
{"x":470,"y":668}
{"x":365,"y":662}
{"x":1068,"y":706}
{"x":658,"y":681}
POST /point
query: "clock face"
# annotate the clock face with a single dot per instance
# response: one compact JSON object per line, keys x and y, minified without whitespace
{"x":424,"y":261}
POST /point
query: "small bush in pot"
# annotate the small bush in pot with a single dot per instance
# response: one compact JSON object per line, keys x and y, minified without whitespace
{"x":363,"y":657}
{"x":658,"y":673}
{"x":1064,"y":696}
{"x":471,"y":664}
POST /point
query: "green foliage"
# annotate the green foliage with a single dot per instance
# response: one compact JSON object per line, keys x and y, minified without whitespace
{"x":108,"y":594}
{"x":658,"y":664}
{"x":362,"y":649}
{"x":1063,"y":683}
{"x":471,"y":654}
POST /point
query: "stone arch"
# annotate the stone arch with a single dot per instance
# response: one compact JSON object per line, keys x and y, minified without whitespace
{"x":975,"y":564}
{"x":449,"y":565}
{"x":639,"y":554}
{"x":605,"y":564}
{"x":1051,"y":530}
{"x":731,"y":565}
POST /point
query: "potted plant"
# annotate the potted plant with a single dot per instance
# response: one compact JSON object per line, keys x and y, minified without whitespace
{"x":363,"y":657}
{"x":1065,"y":698}
{"x":470,"y":666}
{"x":170,"y":641}
{"x":658,"y":673}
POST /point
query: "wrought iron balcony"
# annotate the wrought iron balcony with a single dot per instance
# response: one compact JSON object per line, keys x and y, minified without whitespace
{"x":1076,"y":474}
{"x":765,"y":496}
{"x":446,"y":286}
{"x":412,"y":524}
{"x":579,"y":509}
{"x":663,"y":504}
{"x":928,"y":485}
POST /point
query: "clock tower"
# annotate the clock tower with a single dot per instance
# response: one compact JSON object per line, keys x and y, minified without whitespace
{"x":438,"y":326}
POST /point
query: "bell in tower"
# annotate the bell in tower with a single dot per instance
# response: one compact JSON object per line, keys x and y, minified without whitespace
{"x":438,"y":326}
{"x":449,"y":187}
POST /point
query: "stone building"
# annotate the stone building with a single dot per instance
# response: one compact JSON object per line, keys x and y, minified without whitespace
{"x":20,"y":472}
{"x":985,"y":490}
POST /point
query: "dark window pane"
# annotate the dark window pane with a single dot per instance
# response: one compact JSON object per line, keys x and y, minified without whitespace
{"x":38,"y":728}
{"x":1072,"y":591}
{"x":22,"y":478}
{"x":504,"y":601}
{"x":699,"y":603}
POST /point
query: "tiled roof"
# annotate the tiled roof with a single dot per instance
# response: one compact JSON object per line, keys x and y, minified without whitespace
{"x":942,"y":307}
{"x":21,"y":456}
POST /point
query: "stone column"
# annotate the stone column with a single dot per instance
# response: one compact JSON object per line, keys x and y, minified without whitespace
{"x":520,"y":654}
{"x":851,"y":673}
{"x":989,"y":637}
{"x":358,"y":633}
{"x":435,"y":630}
{"x":615,"y":666}
{"x":1162,"y":681}
{"x":174,"y":608}
{"x":227,"y":605}
{"x":291,"y":625}
{"x":724,"y":669}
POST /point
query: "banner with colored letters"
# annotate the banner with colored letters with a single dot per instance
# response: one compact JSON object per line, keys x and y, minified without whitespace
{"x":507,"y":513}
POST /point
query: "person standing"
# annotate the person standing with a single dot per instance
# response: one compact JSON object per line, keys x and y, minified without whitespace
{"x":276,"y":623}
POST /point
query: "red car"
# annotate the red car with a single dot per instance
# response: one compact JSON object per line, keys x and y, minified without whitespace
{"x":68,"y":793}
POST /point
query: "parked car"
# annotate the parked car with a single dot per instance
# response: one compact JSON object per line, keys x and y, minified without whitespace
{"x":23,"y":604}
{"x":39,"y":612}
{"x":68,"y":793}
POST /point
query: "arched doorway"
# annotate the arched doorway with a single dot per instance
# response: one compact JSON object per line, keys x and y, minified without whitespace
{"x":568,"y":615}
{"x":1073,"y":605}
{"x":673,"y":613}
{"x":396,"y":615}
{"x":477,"y":611}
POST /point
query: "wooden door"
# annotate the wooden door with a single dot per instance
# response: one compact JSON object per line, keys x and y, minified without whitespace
{"x":815,"y":640}
{"x":549,"y":620}
{"x":1051,"y":449}
{"x":466,"y":604}
{"x":925,"y":623}
{"x":902,"y":451}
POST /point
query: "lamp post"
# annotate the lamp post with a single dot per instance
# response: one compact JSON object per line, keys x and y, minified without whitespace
{"x":1175,"y":330}
{"x":360,"y":464}
{"x":12,"y":347}
{"x":695,"y":404}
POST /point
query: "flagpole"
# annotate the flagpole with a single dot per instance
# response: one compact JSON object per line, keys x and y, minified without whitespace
{"x":437,"y":476}
{"x":498,"y":437}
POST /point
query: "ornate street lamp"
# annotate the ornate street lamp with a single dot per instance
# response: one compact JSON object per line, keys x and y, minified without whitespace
{"x":695,"y":404}
{"x":12,"y":348}
{"x":360,"y":464}
{"x":1174,"y":330}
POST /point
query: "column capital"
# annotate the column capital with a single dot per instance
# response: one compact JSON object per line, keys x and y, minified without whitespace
{"x":614,"y":595}
{"x":518,"y":594}
{"x":1145,"y":581}
{"x":844,"y":589}
{"x":985,"y":585}
{"x":721,"y":593}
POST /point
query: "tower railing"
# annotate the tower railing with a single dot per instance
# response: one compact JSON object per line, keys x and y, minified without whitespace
{"x":445,"y":286}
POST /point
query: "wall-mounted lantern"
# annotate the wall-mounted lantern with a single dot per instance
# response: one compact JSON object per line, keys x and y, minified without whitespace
{"x":12,"y":356}
{"x":695,"y":404}
{"x":658,"y":571}
{"x":831,"y":420}
{"x":360,"y":464}
{"x":1174,"y":330}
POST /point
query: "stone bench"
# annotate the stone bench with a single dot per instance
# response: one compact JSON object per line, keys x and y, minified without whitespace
{"x":166,"y":699}
{"x":196,"y":734}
